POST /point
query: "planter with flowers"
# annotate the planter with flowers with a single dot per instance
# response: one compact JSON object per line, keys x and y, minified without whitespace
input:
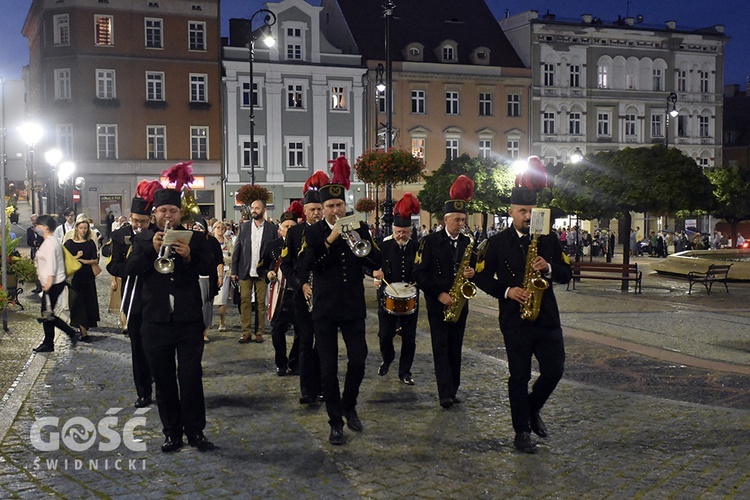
{"x":4,"y":299}
{"x":22,"y":268}
{"x":248,"y":193}
{"x":365,"y":205}
{"x":394,"y":166}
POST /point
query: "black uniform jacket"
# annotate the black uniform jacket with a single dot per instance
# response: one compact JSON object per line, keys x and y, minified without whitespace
{"x":504,"y":266}
{"x":290,"y":263}
{"x":122,"y":242}
{"x":271,"y":257}
{"x":182,"y":284}
{"x":435,"y":266}
{"x":398,"y":264}
{"x":338,"y":288}
{"x":241,"y":257}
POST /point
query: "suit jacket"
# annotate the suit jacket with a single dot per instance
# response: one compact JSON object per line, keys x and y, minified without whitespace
{"x":243,"y":247}
{"x":271,"y":257}
{"x":338,"y":288}
{"x":504,"y":267}
{"x":398,"y":265}
{"x":290,"y":263}
{"x":435,"y":266}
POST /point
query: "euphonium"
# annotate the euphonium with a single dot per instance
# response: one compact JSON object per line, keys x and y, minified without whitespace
{"x":533,"y":283}
{"x":360,"y":247}
{"x":462,"y":289}
{"x":165,"y":261}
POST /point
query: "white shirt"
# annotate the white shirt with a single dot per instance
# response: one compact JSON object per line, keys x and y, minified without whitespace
{"x":49,"y":261}
{"x":255,"y":250}
{"x":62,"y":230}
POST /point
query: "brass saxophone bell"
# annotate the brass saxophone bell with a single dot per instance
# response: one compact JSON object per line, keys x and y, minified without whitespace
{"x":190,"y":209}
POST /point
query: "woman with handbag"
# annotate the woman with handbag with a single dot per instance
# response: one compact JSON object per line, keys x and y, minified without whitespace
{"x":50,"y":268}
{"x":84,"y":303}
{"x":224,"y":296}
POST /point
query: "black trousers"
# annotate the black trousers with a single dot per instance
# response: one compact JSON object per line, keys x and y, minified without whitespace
{"x":391,"y":325}
{"x":174,"y":351}
{"x":447,"y":344}
{"x":141,"y":371}
{"x":546,"y":344}
{"x":327,"y":341}
{"x":49,"y":326}
{"x":281,"y":322}
{"x":309,"y":363}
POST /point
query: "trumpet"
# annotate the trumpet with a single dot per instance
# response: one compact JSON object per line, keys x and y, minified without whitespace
{"x":346,"y":225}
{"x":164,"y":263}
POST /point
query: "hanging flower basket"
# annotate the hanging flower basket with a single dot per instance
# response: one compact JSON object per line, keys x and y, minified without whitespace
{"x":395,"y":166}
{"x":366,"y":205}
{"x":23,"y":268}
{"x":248,"y":193}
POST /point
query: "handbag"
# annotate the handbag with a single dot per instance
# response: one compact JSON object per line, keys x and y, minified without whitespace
{"x":97,"y":270}
{"x":72,"y":265}
{"x":235,"y":292}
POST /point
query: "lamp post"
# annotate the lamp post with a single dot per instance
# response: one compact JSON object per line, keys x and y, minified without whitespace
{"x":264,"y":32}
{"x":388,"y":7}
{"x":63,"y":179}
{"x":671,"y":100}
{"x":3,"y":228}
{"x":576,"y":158}
{"x":380,"y":86}
{"x":31,"y":133}
{"x":53,"y":157}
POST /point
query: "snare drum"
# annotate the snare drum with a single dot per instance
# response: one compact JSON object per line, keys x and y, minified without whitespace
{"x":400,"y":298}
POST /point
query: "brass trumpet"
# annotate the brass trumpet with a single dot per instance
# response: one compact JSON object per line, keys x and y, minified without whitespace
{"x":164,"y":263}
{"x":346,"y":225}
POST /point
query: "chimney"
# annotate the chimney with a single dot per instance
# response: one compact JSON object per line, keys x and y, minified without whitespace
{"x":719,"y":28}
{"x":587,"y":18}
{"x":671,"y":25}
{"x":629,"y":21}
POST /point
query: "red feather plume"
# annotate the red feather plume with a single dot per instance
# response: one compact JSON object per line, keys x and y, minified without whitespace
{"x":180,"y":174}
{"x":146,"y":190}
{"x":316,"y":181}
{"x":297,"y":209}
{"x":340,"y":171}
{"x":407,"y":206}
{"x":535,"y":176}
{"x":462,"y":189}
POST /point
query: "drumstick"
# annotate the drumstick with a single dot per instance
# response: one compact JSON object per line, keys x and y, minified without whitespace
{"x":389,"y":285}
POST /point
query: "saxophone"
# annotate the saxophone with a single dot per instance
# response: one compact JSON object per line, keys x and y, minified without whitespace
{"x":533,"y":283}
{"x":462,"y":289}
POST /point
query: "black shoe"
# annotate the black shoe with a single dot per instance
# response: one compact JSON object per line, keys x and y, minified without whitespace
{"x":36,"y":290}
{"x":75,"y":336}
{"x":537,"y":425}
{"x":456,"y":401}
{"x":281,"y":372}
{"x":337,"y":435}
{"x":383,"y":368}
{"x":353,"y":421}
{"x":446,"y":403}
{"x":200,"y":442}
{"x":407,"y":380}
{"x":308,"y":400}
{"x":43,"y":348}
{"x":172,"y":443}
{"x":523,"y":443}
{"x":142,"y":402}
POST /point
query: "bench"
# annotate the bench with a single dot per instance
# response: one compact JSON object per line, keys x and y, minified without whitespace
{"x":715,"y":272}
{"x":606,"y":271}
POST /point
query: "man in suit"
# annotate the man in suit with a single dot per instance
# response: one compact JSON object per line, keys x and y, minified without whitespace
{"x":435,"y":266}
{"x":122,"y":242}
{"x":501,"y":274}
{"x":252,"y":242}
{"x":338,"y":303}
{"x":173,"y":322}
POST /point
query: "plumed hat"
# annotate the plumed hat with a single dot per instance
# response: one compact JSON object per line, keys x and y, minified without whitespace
{"x":315,"y":182}
{"x":407,"y":206}
{"x":297,"y":209}
{"x":144,"y":197}
{"x":462,"y":191}
{"x":529,"y":183}
{"x":167,"y":197}
{"x":288,"y":216}
{"x":340,"y":171}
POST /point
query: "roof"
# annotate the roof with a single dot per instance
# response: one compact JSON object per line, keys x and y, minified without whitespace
{"x":469,"y":23}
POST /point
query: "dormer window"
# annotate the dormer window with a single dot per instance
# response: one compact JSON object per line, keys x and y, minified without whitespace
{"x":414,"y":52}
{"x":481,"y":56}
{"x":449,"y":53}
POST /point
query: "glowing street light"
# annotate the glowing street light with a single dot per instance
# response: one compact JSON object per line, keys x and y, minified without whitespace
{"x":31,"y":133}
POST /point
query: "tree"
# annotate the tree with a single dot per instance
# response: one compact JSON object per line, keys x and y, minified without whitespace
{"x":493,"y":181}
{"x":731,"y":187}
{"x":614,"y":183}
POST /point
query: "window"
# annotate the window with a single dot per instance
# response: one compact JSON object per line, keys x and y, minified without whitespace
{"x":548,"y":122}
{"x":199,"y":143}
{"x":602,"y":80}
{"x":657,"y":125}
{"x":485,"y":148}
{"x":630,"y":82}
{"x":104,"y":31}
{"x":485,"y":104}
{"x":704,"y":82}
{"x":514,"y":104}
{"x":65,"y":140}
{"x":417,"y":102}
{"x":682,"y":126}
{"x":630,"y":126}
{"x":575,"y":75}
{"x":681,"y":80}
{"x":106,"y":142}
{"x":196,"y":35}
{"x":246,"y":95}
{"x":658,"y":79}
{"x":380,"y":97}
{"x":548,"y":70}
{"x":703,"y":162}
{"x":156,"y":141}
{"x":602,"y":125}
{"x":295,"y":96}
{"x":338,"y":98}
{"x":294,"y":44}
{"x":105,"y":84}
{"x":62,"y":84}
{"x":198,"y":84}
{"x":574,"y":123}
{"x":247,"y":152}
{"x":61,"y":23}
{"x":417,"y":148}
{"x":295,"y":154}
{"x":154,"y":86}
{"x":449,"y":53}
{"x":703,"y":126}
{"x":153,"y":33}
{"x":451,"y":149}
{"x":338,"y":149}
{"x":513,"y":147}
{"x":451,"y":103}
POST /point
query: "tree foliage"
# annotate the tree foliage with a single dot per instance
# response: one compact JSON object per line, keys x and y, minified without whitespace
{"x":731,"y":186}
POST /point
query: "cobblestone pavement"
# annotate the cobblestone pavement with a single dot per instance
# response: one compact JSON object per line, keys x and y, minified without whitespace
{"x":623,"y":422}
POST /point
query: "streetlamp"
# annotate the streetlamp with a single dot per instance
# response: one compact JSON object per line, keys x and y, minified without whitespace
{"x":264,"y":33}
{"x":575,"y":159}
{"x":388,"y":7}
{"x":671,"y":100}
{"x":63,"y":178}
{"x":53,"y":157}
{"x":31,"y":133}
{"x":380,"y":86}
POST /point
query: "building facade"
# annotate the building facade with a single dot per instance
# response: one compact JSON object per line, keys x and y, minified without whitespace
{"x":125,"y":90}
